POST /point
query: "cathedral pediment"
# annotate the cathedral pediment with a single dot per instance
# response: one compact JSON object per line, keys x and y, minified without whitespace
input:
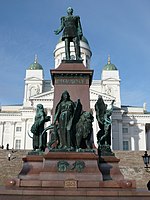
{"x":43,"y":96}
{"x":95,"y":94}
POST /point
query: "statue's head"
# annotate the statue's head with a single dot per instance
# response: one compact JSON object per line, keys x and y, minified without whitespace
{"x":40,"y":107}
{"x":65,"y":95}
{"x":70,"y":11}
{"x":99,"y":97}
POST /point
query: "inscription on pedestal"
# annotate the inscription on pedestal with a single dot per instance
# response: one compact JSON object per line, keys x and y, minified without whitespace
{"x":71,"y":183}
{"x":71,"y":81}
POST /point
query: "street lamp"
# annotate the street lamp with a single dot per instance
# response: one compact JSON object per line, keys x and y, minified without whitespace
{"x":146,"y":160}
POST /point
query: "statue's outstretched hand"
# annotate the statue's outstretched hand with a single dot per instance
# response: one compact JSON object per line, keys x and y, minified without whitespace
{"x":56,"y":32}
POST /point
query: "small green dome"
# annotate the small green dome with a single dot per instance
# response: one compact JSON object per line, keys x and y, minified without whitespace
{"x":109,"y":66}
{"x":35,"y":65}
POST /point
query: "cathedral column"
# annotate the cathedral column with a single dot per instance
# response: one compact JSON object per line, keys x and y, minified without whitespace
{"x":120,"y":135}
{"x":132,"y":144}
{"x":141,"y":137}
{"x":132,"y":135}
{"x":24,"y":130}
{"x":25,"y":92}
{"x":2,"y":133}
{"x":13,"y":124}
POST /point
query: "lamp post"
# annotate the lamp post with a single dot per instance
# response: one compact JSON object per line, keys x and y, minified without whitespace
{"x":146,"y":160}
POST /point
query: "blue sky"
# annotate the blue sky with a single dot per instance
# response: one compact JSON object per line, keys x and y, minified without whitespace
{"x":120,"y":28}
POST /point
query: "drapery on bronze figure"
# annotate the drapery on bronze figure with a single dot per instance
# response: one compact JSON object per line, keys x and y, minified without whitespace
{"x":39,"y":140}
{"x":72,"y":32}
{"x":64,"y":116}
{"x":72,"y":127}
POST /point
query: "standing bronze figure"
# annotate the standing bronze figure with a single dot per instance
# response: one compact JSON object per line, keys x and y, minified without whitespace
{"x":72,"y":32}
{"x":39,"y":139}
{"x":103,"y":116}
{"x":64,"y":115}
{"x":72,"y":127}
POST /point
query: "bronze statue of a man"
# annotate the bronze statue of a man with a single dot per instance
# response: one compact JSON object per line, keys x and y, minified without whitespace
{"x":72,"y":32}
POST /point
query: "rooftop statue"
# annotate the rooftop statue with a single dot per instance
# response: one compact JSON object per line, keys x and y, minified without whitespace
{"x":103,"y":116}
{"x":39,"y":139}
{"x":72,"y":32}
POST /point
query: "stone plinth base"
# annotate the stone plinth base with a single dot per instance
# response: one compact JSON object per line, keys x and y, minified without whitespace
{"x":71,"y":176}
{"x":60,"y":170}
{"x":72,"y":194}
{"x":75,"y":170}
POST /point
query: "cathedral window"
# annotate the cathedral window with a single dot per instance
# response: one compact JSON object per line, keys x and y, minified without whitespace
{"x":18,"y":144}
{"x":126,"y":145}
{"x":125,"y":130}
{"x":18,"y":129}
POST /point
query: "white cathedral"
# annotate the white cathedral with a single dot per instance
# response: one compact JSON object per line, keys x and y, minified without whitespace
{"x":130,"y":125}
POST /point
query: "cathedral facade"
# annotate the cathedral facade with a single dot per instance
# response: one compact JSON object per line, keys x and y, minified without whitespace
{"x":130,"y":125}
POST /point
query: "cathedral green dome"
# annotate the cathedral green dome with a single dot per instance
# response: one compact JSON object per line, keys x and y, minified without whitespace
{"x":109,"y":66}
{"x":35,"y":65}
